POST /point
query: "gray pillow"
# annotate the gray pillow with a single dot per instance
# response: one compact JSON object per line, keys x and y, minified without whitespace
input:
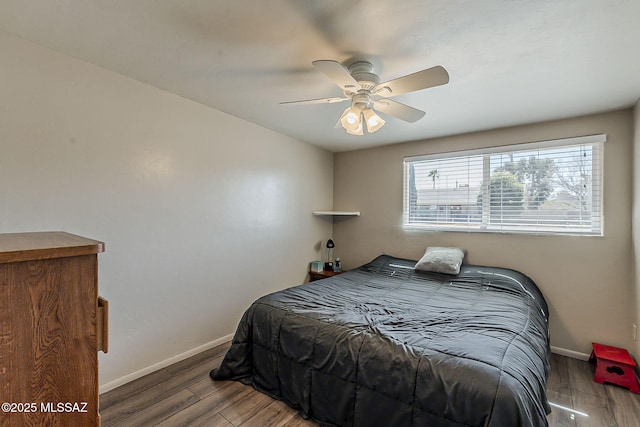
{"x":441,"y":260}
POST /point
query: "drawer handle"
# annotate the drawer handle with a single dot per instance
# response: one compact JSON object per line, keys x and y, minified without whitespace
{"x":102,"y":325}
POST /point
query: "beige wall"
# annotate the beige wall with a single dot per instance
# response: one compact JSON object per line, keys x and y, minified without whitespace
{"x":201,"y":212}
{"x":587,"y":280}
{"x":636,"y":221}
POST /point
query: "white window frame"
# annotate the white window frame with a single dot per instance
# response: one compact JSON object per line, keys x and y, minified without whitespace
{"x":597,"y":217}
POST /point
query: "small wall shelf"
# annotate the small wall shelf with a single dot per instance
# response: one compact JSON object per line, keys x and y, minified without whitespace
{"x":336,"y":213}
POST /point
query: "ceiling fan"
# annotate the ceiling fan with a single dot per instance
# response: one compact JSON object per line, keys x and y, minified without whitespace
{"x":362,"y":86}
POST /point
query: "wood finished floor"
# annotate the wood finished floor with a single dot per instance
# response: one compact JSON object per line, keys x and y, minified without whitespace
{"x":183,"y":395}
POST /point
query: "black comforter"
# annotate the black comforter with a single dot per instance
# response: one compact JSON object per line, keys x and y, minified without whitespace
{"x":390,"y":346}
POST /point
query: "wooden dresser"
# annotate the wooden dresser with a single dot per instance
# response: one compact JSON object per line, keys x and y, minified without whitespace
{"x":52,"y":324}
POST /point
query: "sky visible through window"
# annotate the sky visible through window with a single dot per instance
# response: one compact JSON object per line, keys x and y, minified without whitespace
{"x":466,"y":171}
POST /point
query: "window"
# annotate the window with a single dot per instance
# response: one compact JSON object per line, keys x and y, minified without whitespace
{"x":550,"y":187}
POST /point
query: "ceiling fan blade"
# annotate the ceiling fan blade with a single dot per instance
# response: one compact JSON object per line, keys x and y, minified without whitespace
{"x":424,"y":79}
{"x":316,"y":101}
{"x":396,"y":109}
{"x":337,"y":73}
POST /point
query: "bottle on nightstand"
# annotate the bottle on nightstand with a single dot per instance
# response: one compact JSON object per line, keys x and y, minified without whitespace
{"x":337,"y":266}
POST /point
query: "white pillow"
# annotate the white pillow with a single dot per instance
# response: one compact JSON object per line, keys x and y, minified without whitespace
{"x":441,"y":260}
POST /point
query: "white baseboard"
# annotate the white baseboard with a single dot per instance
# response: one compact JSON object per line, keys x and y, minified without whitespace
{"x":156,"y":366}
{"x":569,"y":353}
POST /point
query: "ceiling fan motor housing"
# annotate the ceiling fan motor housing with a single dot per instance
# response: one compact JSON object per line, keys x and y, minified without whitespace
{"x":362,"y":72}
{"x":362,"y":100}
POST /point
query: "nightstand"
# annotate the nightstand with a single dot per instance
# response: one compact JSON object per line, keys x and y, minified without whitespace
{"x":317,"y":275}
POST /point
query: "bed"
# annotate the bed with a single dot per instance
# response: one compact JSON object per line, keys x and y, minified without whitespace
{"x":388,"y":345}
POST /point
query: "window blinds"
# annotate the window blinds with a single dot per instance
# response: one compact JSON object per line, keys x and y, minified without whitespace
{"x":549,"y":187}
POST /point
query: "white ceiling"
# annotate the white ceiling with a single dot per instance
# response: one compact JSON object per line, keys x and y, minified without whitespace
{"x":510,"y":61}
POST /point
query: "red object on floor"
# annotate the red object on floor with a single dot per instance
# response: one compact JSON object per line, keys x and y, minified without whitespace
{"x":614,"y":365}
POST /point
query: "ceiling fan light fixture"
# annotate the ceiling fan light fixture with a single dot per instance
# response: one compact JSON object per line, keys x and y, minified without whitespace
{"x":374,"y":121}
{"x":351,"y":120}
{"x":357,"y":130}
